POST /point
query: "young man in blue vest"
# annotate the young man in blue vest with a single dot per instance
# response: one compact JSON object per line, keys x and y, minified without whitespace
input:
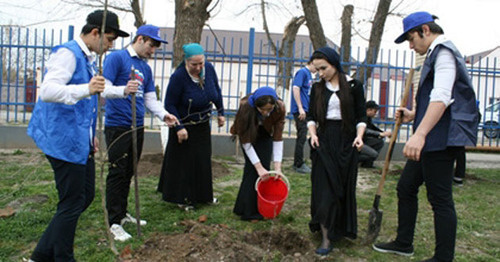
{"x":302,"y":83}
{"x":63,"y":127}
{"x":444,"y":122}
{"x":127,"y":71}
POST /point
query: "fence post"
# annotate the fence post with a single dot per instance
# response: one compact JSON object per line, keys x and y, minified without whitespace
{"x":71,"y":31}
{"x":251,"y":43}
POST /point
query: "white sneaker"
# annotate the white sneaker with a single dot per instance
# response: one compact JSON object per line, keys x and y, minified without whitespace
{"x":119,"y":233}
{"x":130,"y":219}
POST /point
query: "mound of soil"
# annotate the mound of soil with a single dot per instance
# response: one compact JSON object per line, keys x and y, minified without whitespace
{"x":150,"y":165}
{"x":202,"y":242}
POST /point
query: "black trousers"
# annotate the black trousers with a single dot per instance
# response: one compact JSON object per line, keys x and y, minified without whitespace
{"x":371,"y":149}
{"x":460,"y":167}
{"x":436,"y":170}
{"x":120,"y":169}
{"x":75,"y":186}
{"x":301,"y":126}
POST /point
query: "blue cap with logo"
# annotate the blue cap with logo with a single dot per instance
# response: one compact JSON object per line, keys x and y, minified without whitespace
{"x":411,"y":21}
{"x":152,"y":32}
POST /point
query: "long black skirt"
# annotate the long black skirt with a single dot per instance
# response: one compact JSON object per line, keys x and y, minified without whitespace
{"x":246,"y":202}
{"x":333,"y":177}
{"x":186,"y":173}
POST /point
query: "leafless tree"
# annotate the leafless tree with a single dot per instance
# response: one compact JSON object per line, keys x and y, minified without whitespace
{"x":313,"y":22}
{"x":129,"y":6}
{"x":375,"y":37}
{"x":345,"y":43}
{"x":286,"y":49}
{"x":190,"y":17}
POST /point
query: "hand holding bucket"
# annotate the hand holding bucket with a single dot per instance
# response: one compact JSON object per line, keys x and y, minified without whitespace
{"x":271,"y":193}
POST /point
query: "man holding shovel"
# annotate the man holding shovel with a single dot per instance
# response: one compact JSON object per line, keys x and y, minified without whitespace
{"x":445,"y":120}
{"x":127,"y":72}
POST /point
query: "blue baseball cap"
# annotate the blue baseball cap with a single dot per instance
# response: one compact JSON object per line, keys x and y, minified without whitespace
{"x":151,"y":31}
{"x":411,"y":21}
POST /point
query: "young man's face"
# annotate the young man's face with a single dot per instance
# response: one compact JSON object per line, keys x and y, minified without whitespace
{"x":371,"y":112}
{"x":146,"y":49}
{"x":107,"y":41}
{"x":421,"y":43}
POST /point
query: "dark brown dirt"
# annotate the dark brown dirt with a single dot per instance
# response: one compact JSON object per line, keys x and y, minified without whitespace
{"x":202,"y":242}
{"x":150,"y":165}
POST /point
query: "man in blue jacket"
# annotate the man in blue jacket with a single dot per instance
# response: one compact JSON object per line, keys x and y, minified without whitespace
{"x":127,"y":71}
{"x":302,"y":83}
{"x":63,"y":127}
{"x":444,"y":122}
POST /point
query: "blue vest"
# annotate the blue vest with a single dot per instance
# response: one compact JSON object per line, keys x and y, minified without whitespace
{"x":458,"y":125}
{"x":63,"y":131}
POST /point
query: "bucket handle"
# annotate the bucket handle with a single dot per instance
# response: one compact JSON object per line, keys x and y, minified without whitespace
{"x":277,"y":175}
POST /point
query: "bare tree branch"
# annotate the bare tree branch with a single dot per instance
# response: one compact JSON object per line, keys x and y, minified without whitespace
{"x":130,"y":6}
{"x":266,"y":28}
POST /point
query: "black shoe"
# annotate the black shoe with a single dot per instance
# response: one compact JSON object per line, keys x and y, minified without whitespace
{"x":433,"y":259}
{"x":458,"y":181}
{"x":393,"y":247}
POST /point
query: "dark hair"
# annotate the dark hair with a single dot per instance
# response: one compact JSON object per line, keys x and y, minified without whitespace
{"x":246,"y":121}
{"x":86,"y":29}
{"x":372,"y":105}
{"x":346,"y":100}
{"x":433,"y":27}
{"x":147,"y":38}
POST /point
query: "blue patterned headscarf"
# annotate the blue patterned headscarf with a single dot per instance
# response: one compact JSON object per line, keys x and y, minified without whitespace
{"x":192,"y":49}
{"x":263,"y":91}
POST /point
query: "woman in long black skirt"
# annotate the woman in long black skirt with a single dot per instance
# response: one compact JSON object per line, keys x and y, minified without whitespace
{"x":259,"y":125}
{"x":192,"y":92}
{"x":336,"y":123}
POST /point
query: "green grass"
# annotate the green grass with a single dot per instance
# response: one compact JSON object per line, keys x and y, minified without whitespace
{"x":25,"y":175}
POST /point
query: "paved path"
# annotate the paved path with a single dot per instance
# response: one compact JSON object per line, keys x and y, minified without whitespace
{"x":482,"y":160}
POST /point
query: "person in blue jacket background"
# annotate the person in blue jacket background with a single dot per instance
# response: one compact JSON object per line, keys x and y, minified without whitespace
{"x":63,"y":127}
{"x":302,"y":83}
{"x":445,"y":120}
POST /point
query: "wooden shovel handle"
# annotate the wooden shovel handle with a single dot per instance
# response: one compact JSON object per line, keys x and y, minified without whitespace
{"x":395,"y":132}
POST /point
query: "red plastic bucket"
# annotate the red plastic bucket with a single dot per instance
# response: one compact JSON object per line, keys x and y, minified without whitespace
{"x":271,"y":194}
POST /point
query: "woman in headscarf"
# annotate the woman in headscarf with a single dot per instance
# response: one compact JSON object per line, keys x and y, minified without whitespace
{"x":193,"y":90}
{"x":336,"y":123}
{"x":259,"y":125}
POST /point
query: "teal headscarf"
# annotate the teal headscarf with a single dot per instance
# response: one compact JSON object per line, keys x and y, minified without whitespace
{"x":192,"y":49}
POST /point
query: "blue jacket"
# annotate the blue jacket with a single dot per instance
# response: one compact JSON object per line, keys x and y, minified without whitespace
{"x":188,"y":101}
{"x":302,"y":79}
{"x":63,"y":131}
{"x":458,"y":125}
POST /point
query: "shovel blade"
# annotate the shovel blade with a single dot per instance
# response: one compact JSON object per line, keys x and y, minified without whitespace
{"x":374,"y":224}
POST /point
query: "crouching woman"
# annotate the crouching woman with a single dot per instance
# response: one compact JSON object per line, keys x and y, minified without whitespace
{"x":259,"y":125}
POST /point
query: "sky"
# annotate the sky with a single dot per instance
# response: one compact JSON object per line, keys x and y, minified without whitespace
{"x":471,"y":24}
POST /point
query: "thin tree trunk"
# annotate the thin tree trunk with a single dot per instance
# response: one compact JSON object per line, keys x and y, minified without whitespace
{"x":313,"y":22}
{"x":375,"y":38}
{"x":190,"y":17}
{"x":136,"y":10}
{"x":345,"y":43}
{"x":286,"y":49}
